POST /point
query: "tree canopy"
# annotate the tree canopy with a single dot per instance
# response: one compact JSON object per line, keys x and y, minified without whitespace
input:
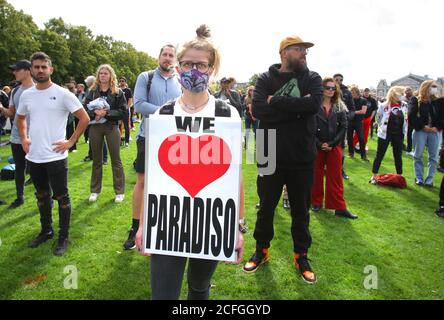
{"x":75,"y":51}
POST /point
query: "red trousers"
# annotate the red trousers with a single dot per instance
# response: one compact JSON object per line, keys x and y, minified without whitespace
{"x":329,"y":164}
{"x":366,"y":123}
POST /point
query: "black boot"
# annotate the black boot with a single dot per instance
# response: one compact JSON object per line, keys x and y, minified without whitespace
{"x":345,"y":214}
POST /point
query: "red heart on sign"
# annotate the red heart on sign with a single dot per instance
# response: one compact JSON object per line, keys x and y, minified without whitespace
{"x":194,"y":163}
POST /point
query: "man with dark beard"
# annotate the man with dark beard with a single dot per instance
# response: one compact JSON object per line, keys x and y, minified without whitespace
{"x":286,"y":100}
{"x":47,"y":106}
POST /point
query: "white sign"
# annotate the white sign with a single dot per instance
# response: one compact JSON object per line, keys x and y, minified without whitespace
{"x":192,"y":186}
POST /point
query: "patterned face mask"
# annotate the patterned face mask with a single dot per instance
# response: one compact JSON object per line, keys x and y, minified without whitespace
{"x":195,"y":81}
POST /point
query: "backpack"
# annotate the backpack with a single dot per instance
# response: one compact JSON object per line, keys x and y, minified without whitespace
{"x":8,"y":172}
{"x":392,"y":180}
{"x":150,"y":81}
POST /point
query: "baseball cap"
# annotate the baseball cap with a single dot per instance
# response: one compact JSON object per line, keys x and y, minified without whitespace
{"x":22,"y":64}
{"x":224,"y":80}
{"x":294,"y":40}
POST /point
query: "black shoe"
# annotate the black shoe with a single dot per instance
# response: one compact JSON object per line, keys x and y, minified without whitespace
{"x":105,"y":162}
{"x":365,"y":159}
{"x":419,"y":183}
{"x":346,"y":214}
{"x":62,"y":246}
{"x":131,"y":242}
{"x":258,"y":205}
{"x":440,"y":212}
{"x":316,"y":208}
{"x":287,"y":204}
{"x":440,"y":169}
{"x":302,"y":264}
{"x":259,"y":258}
{"x":428,"y":185}
{"x":17,"y":203}
{"x":345,"y":176}
{"x":41,"y":238}
{"x":351,"y":156}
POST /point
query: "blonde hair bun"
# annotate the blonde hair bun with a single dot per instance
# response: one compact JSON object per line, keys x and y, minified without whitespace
{"x":203,"y":32}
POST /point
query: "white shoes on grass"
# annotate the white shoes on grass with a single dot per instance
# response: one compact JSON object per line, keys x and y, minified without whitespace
{"x":119,"y":198}
{"x":93,"y":197}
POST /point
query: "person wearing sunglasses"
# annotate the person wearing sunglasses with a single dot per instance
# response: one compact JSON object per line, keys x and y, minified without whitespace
{"x":427,"y":122}
{"x":331,"y":129}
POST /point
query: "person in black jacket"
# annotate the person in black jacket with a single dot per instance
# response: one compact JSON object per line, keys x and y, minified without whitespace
{"x":355,"y":124}
{"x":427,"y":122}
{"x":348,"y":100}
{"x":331,"y":129}
{"x":391,"y":129}
{"x":228,"y":94}
{"x":106,"y":125}
{"x":286,"y":101}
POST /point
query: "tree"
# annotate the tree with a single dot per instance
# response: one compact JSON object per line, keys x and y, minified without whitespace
{"x":57,"y":48}
{"x":253,"y":79}
{"x":18,"y":38}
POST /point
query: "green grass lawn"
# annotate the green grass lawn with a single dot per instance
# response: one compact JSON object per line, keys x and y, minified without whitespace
{"x":397,"y":232}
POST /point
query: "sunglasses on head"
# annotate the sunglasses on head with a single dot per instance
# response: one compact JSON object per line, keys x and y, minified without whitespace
{"x":328,"y":88}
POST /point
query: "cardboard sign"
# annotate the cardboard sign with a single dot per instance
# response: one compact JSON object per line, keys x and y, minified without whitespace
{"x":192,"y":187}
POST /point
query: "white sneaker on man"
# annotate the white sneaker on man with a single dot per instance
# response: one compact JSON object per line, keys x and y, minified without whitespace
{"x":93,"y":197}
{"x":119,"y":198}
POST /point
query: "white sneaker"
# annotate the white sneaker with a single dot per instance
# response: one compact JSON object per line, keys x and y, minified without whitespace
{"x":93,"y":197}
{"x":119,"y":198}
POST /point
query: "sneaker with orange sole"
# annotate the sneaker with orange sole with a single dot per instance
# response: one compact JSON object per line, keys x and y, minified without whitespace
{"x":303,"y":266}
{"x":259,"y":257}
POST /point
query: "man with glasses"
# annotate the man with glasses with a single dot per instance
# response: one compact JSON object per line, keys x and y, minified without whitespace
{"x":286,"y":100}
{"x":348,"y":100}
{"x":153,"y":89}
{"x":226,"y":93}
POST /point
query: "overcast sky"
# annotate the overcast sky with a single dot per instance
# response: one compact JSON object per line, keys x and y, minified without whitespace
{"x":366,"y":40}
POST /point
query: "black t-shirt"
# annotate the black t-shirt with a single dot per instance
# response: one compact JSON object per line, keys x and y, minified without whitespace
{"x":359,"y":103}
{"x":4,"y":99}
{"x":372,"y":105}
{"x":128,"y":94}
{"x":104,"y":94}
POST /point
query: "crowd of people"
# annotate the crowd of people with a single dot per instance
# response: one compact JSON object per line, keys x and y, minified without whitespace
{"x":314,"y":118}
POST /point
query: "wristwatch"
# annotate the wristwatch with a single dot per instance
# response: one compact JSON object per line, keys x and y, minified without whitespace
{"x":242,"y":227}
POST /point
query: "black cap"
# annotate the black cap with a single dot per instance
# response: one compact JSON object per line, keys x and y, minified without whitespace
{"x":22,"y":64}
{"x":224,"y":80}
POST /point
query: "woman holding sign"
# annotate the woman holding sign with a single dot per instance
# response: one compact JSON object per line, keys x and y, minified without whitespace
{"x":198,"y":60}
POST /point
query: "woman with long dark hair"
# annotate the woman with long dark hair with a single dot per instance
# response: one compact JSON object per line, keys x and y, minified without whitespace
{"x":331,"y":128}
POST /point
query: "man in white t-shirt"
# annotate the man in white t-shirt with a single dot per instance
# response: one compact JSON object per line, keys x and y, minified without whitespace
{"x":47,"y":106}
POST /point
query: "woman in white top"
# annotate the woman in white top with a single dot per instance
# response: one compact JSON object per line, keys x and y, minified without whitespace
{"x":198,"y":60}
